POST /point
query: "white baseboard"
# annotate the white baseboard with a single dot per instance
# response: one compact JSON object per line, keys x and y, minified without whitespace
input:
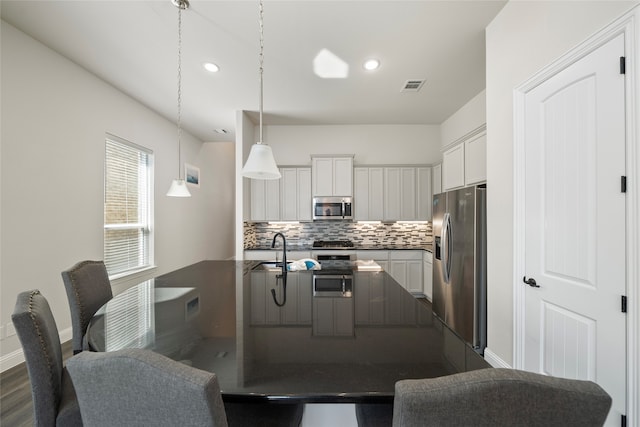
{"x":494,"y":360}
{"x":16,"y":357}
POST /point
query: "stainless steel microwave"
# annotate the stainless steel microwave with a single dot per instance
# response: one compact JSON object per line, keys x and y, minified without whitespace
{"x":332,"y":208}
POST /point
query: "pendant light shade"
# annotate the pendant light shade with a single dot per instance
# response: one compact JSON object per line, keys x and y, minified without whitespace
{"x":261,"y":164}
{"x":179,"y":186}
{"x":178,"y":189}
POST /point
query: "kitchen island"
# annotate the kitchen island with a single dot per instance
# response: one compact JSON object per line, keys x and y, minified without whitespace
{"x":268,"y":343}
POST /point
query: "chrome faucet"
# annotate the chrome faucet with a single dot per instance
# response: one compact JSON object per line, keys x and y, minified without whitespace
{"x":284,"y":252}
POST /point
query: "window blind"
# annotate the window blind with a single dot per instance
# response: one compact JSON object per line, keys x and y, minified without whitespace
{"x":127,"y":206}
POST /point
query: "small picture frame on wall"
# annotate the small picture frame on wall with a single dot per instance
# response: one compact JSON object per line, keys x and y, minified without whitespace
{"x":192,"y":175}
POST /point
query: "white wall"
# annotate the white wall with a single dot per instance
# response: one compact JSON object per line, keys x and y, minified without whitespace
{"x":521,"y":40}
{"x":470,"y":117}
{"x":371,"y":144}
{"x":54,"y":119}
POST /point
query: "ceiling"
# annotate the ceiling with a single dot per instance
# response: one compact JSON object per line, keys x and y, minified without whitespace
{"x":133,"y":46}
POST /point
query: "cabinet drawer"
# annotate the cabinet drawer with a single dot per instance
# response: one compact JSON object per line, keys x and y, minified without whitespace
{"x":374,"y":255}
{"x":405,"y":255}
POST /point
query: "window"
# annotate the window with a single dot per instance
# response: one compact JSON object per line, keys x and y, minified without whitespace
{"x":127,"y":206}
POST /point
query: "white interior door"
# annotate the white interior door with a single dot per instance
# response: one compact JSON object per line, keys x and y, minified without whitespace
{"x":575,"y":224}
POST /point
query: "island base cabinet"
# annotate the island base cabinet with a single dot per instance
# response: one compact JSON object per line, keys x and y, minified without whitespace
{"x":333,"y":317}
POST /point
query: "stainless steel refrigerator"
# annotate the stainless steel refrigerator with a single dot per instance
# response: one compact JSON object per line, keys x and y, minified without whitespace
{"x":460,"y":263}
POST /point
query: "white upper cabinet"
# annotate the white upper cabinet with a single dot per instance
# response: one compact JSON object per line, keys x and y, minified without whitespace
{"x":332,"y":176}
{"x":368,"y":199}
{"x":453,"y":168}
{"x":265,"y":199}
{"x":425,"y":193}
{"x":465,"y":163}
{"x":407,"y":193}
{"x":285,"y":199}
{"x":304,"y":194}
{"x":475,"y":159}
{"x":437,"y":178}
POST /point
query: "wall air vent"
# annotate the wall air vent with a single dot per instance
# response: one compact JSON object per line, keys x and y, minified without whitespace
{"x":412,"y":85}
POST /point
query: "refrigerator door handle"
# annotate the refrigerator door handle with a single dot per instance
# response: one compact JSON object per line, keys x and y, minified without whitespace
{"x":446,"y":247}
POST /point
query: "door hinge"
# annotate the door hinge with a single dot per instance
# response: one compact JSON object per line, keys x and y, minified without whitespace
{"x":623,"y":65}
{"x":623,"y":184}
{"x":623,"y":421}
{"x":623,"y":305}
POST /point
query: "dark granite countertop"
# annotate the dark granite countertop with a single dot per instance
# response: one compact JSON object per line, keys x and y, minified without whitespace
{"x":370,"y":247}
{"x":220,"y":316}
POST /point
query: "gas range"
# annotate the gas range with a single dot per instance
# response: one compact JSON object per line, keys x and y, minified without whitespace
{"x":333,"y":244}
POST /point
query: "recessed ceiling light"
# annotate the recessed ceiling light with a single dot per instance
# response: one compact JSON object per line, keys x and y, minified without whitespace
{"x":371,"y":64}
{"x":211,"y":67}
{"x":221,"y":131}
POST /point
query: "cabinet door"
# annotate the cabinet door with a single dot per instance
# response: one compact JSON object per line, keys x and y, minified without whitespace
{"x":428,"y":275}
{"x":475,"y":160}
{"x":258,"y":200}
{"x":322,"y":181}
{"x":272,"y":199}
{"x":289,"y":194}
{"x":423,"y":182}
{"x":265,"y":200}
{"x":415,"y":277}
{"x":376,"y":194}
{"x":392,"y":194}
{"x":361,"y":194}
{"x":304,"y":194}
{"x":398,"y":270}
{"x":342,"y":176}
{"x":408,"y":193}
{"x":453,"y":168}
{"x":437,"y":179}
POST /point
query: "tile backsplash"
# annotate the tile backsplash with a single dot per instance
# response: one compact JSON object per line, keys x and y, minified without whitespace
{"x":260,"y":234}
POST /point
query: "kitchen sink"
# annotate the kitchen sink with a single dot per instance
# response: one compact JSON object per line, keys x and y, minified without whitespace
{"x":268,"y":266}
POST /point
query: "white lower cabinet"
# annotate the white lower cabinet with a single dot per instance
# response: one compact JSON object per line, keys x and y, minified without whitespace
{"x":406,"y":268}
{"x":428,"y":275}
{"x":380,"y":257}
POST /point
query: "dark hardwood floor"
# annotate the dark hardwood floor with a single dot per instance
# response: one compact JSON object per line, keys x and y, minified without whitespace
{"x":16,"y":406}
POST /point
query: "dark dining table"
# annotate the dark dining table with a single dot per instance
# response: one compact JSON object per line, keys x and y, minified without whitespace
{"x":268,"y":339}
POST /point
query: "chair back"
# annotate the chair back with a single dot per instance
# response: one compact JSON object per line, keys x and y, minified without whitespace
{"x":88,"y":288}
{"x":137,"y":387}
{"x":499,"y":397}
{"x":51,"y":391}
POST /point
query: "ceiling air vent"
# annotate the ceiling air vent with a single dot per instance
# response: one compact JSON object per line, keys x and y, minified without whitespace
{"x":412,"y":85}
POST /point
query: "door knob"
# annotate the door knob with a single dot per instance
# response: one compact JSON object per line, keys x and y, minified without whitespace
{"x":530,"y":281}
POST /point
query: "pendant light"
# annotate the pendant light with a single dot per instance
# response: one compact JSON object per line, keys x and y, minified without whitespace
{"x":179,"y":186}
{"x":261,"y":164}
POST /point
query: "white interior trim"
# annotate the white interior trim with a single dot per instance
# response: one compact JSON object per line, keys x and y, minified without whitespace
{"x":16,"y":357}
{"x":494,"y":360}
{"x":468,"y":135}
{"x":627,"y":25}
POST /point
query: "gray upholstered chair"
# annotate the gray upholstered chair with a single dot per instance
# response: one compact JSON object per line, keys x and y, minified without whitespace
{"x":54,"y":398}
{"x":137,"y":387}
{"x":88,"y":288}
{"x":499,"y":397}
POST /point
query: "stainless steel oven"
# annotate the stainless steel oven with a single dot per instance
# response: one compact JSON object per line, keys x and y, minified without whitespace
{"x":332,"y":208}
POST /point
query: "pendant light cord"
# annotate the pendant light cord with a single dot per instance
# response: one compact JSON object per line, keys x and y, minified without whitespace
{"x":179,"y":88}
{"x":261,"y":60}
